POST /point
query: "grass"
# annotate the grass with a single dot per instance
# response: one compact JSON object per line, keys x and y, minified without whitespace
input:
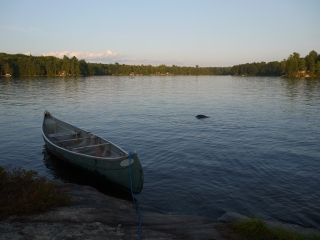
{"x":24,"y":192}
{"x":255,"y":228}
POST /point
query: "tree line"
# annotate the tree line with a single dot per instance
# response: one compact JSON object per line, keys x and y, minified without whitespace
{"x":293,"y":66}
{"x":28,"y":65}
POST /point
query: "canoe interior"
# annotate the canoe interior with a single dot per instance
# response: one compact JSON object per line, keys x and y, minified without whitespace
{"x":77,"y":140}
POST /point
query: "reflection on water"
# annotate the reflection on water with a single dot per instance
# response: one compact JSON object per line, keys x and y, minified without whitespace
{"x":65,"y":172}
{"x":308,"y":88}
{"x":258,"y":153}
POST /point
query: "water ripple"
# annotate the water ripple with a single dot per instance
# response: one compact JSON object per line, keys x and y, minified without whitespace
{"x":257,"y":153}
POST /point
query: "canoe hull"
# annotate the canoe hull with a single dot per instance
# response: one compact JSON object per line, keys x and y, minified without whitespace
{"x":114,"y":169}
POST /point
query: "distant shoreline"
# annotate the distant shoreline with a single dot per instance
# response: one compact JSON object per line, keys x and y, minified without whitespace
{"x":28,"y":65}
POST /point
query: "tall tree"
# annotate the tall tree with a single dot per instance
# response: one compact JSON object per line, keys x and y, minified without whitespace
{"x":311,"y":59}
{"x":74,"y":66}
{"x":7,"y":68}
{"x":66,"y":65}
{"x":296,"y":55}
{"x":253,"y":70}
{"x":302,"y":64}
{"x":292,"y":65}
{"x":313,"y":54}
{"x":317,"y":69}
{"x":1,"y":67}
{"x":284,"y":66}
{"x":312,"y":67}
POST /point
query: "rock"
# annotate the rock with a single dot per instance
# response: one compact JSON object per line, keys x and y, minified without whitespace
{"x":93,"y":215}
{"x":231,"y":217}
{"x":201,"y":116}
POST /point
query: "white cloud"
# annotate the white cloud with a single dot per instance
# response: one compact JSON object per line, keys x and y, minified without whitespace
{"x":108,"y":55}
{"x":31,"y":30}
{"x":112,"y":57}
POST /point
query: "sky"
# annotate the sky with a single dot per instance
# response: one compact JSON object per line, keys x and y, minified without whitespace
{"x":208,"y":33}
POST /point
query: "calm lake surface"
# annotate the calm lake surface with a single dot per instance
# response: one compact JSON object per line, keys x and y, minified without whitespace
{"x":258,"y":153}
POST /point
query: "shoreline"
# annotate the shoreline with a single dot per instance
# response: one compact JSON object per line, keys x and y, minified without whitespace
{"x":93,"y":215}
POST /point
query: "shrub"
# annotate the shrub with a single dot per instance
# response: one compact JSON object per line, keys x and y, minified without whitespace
{"x":24,"y":192}
{"x":255,"y":228}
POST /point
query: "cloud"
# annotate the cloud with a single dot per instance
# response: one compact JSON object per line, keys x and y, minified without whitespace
{"x":14,"y":28}
{"x":108,"y":55}
{"x":31,"y":30}
{"x":112,"y":57}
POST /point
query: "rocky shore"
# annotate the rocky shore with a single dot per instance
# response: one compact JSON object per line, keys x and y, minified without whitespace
{"x":93,"y":215}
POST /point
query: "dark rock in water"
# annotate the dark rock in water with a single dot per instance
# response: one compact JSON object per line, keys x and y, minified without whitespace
{"x":201,"y":116}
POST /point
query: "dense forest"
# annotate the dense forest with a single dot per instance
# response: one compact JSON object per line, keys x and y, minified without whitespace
{"x":293,"y":66}
{"x":28,"y":65}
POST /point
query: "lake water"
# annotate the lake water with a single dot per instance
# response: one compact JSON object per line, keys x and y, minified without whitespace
{"x":257,"y":154}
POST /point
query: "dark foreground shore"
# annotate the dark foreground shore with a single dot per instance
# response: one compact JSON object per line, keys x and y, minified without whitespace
{"x":93,"y":215}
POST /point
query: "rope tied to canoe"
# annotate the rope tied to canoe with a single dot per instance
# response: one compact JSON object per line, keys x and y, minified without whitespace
{"x":134,"y":199}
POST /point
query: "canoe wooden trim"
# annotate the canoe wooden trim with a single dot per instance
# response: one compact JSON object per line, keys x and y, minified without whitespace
{"x":73,"y":139}
{"x":63,"y":134}
{"x":89,"y":146}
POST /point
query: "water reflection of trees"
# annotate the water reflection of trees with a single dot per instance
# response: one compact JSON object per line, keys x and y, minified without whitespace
{"x":302,"y":88}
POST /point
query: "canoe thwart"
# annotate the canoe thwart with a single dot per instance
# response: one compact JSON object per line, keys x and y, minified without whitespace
{"x":89,"y":146}
{"x":73,"y":139}
{"x":63,"y":134}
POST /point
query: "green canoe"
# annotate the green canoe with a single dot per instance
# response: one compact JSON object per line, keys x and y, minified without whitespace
{"x":92,"y":153}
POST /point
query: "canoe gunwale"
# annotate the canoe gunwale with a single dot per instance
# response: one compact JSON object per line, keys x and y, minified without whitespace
{"x":111,"y":159}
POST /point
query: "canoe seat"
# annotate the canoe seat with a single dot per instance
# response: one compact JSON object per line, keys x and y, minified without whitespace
{"x":89,"y":146}
{"x":63,"y":134}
